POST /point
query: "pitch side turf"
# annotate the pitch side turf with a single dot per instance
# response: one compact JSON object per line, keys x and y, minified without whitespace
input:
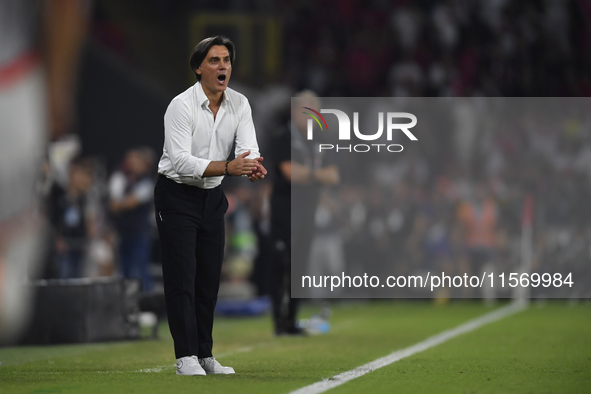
{"x":545,"y":348}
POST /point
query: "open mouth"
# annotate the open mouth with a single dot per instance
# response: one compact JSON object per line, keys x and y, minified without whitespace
{"x":222,"y":78}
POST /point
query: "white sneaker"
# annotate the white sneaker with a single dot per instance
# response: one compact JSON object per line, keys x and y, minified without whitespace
{"x":211,"y":365}
{"x":189,"y":366}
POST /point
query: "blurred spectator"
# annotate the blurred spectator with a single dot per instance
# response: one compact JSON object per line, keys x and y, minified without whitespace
{"x":130,"y":200}
{"x":479,"y":218}
{"x":71,"y":219}
{"x":327,"y":252}
{"x":260,"y":208}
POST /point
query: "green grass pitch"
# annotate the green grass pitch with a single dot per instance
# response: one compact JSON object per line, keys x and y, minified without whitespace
{"x":544,"y":349}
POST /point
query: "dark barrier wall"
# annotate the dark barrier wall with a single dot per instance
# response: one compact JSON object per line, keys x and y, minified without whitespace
{"x":83,"y":310}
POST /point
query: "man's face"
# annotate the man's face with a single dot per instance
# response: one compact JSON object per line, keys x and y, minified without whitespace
{"x":215,"y":70}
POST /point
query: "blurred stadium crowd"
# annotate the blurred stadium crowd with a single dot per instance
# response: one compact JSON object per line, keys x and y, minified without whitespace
{"x":454,"y":205}
{"x":439,"y":48}
{"x":460,"y":201}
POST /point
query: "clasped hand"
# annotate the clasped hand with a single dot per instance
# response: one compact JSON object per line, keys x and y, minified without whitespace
{"x":252,"y":168}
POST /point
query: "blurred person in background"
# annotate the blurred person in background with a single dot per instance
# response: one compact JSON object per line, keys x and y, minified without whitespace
{"x":479,"y":219}
{"x":130,"y":201}
{"x":40,"y":42}
{"x":326,"y":252}
{"x":261,"y":212}
{"x":71,"y":219}
{"x":200,"y":127}
{"x":299,"y":171}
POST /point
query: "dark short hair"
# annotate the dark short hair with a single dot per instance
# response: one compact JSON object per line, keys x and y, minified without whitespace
{"x":201,"y":50}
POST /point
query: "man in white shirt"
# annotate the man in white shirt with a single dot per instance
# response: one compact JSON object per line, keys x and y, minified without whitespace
{"x":200,"y":126}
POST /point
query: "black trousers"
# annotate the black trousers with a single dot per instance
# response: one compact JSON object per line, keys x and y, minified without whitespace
{"x":191,"y":229}
{"x":285,"y":308}
{"x":291,"y":245}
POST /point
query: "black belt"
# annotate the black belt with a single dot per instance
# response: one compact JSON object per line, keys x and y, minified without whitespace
{"x":183,"y":187}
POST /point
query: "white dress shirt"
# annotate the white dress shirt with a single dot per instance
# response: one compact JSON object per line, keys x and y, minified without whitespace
{"x":193,"y":139}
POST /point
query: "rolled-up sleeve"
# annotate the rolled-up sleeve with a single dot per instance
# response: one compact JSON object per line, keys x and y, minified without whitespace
{"x":246,"y":139}
{"x":178,"y":140}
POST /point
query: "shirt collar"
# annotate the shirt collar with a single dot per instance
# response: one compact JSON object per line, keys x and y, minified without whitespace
{"x":202,"y":98}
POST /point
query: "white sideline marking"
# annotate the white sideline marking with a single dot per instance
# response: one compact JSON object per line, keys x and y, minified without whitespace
{"x":337,"y":380}
{"x":240,"y":350}
{"x":159,"y":368}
